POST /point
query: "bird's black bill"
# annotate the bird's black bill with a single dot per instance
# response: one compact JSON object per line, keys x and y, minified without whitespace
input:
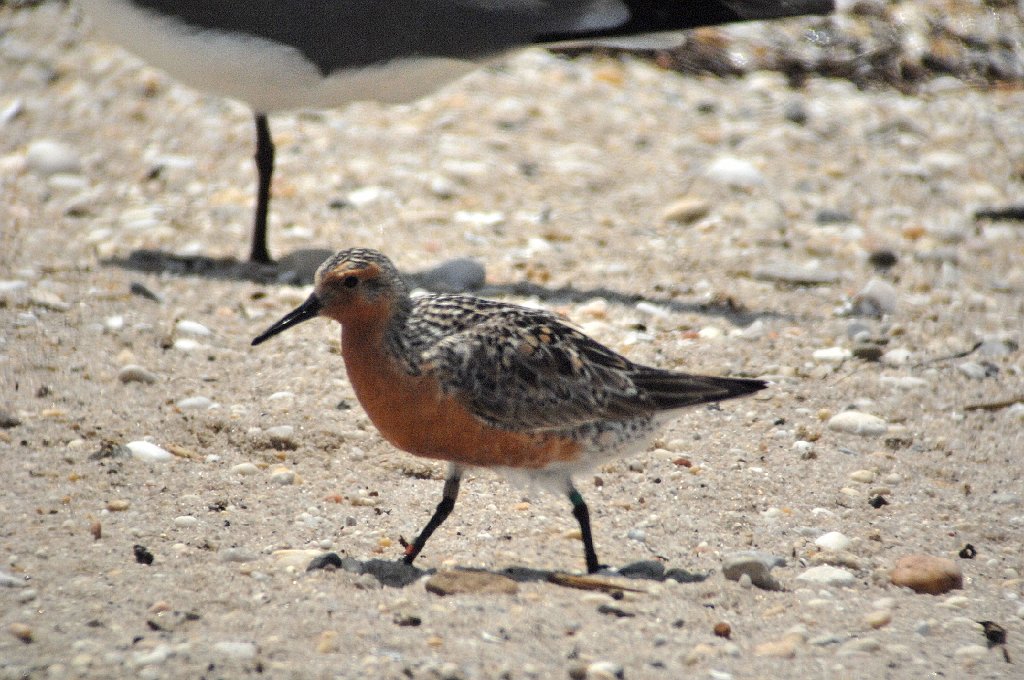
{"x":304,"y":312}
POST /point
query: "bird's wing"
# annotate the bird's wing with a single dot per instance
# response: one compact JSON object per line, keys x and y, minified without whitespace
{"x":526,"y":370}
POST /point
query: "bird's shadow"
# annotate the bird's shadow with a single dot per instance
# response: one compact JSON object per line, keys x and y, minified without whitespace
{"x":453,"y":276}
{"x":398,"y":574}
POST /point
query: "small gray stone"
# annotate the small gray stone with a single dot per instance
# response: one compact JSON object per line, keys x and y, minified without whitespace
{"x":454,"y":276}
{"x":876,"y":298}
{"x":756,"y":565}
{"x":136,"y":373}
{"x":973,"y":370}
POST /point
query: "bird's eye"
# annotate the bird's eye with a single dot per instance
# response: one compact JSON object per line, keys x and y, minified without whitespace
{"x":351,"y":281}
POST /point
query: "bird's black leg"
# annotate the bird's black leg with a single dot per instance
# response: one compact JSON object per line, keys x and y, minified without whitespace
{"x":264,"y":173}
{"x":582,"y":515}
{"x":444,"y":508}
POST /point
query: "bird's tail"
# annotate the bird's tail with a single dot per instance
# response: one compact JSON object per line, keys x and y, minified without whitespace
{"x":667,"y":390}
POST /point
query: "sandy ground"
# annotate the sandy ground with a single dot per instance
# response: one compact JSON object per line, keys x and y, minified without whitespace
{"x":546,"y":171}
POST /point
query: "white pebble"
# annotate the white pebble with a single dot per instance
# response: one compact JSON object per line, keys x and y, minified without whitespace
{"x":281,"y":432}
{"x":857,"y":422}
{"x":47,"y":157}
{"x":236,"y":650}
{"x":734,"y":172}
{"x":970,"y":654}
{"x":833,"y":541}
{"x":114,"y":323}
{"x":896,"y":357}
{"x":187,"y":345}
{"x":828,"y":575}
{"x":195,"y":403}
{"x":185,"y":521}
{"x":802,"y":447}
{"x":281,"y":396}
{"x":832,"y":355}
{"x":12,"y":286}
{"x":245,"y":469}
{"x":905,"y":382}
{"x":192,"y":328}
{"x":148,"y":452}
{"x":605,"y":670}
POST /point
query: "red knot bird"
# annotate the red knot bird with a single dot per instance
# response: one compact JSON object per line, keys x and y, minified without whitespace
{"x":491,"y":384}
{"x":284,"y":55}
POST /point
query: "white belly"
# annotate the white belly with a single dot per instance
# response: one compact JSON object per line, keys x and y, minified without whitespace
{"x":267,"y":76}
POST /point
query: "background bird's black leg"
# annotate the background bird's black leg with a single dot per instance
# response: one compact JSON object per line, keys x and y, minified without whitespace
{"x":444,"y":508}
{"x":264,"y":173}
{"x":582,"y":515}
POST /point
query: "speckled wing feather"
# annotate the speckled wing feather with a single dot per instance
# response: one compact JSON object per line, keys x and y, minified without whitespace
{"x":523,"y":369}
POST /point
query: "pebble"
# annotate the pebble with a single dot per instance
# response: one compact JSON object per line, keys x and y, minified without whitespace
{"x":868,"y":351}
{"x":236,"y":650}
{"x":459,"y":582}
{"x":281,"y":433}
{"x":20,"y":631}
{"x":876,"y":298}
{"x":327,"y":642}
{"x":298,"y":558}
{"x":833,"y":541}
{"x":857,"y":422}
{"x":927,"y":574}
{"x":783,"y":648}
{"x":878,"y":618}
{"x":795,"y":274}
{"x":187,"y":345}
{"x":118,"y":505}
{"x":896,"y":357}
{"x":605,"y":670}
{"x":865,"y":645}
{"x":972,"y":369}
{"x":452,"y":276}
{"x":10,"y":581}
{"x":862,"y":476}
{"x":10,"y":286}
{"x":735,"y":172}
{"x":195,"y":403}
{"x":757,"y":566}
{"x":135,"y":373}
{"x":237,"y":555}
{"x":245,"y":469}
{"x":48,"y":300}
{"x":827,"y":575}
{"x":903,"y":382}
{"x":832,"y":355}
{"x":148,"y":452}
{"x":970,"y":654}
{"x":192,"y":328}
{"x":48,"y":157}
{"x":279,"y":474}
{"x":184,"y":521}
{"x":686,"y":210}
